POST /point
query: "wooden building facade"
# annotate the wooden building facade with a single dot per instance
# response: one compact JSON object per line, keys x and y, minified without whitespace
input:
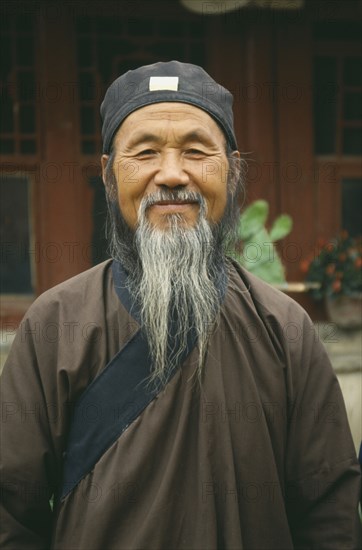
{"x":296,"y":79}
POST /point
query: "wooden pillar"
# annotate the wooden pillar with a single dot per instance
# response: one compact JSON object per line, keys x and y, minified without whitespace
{"x":295,"y":141}
{"x":259,"y":101}
{"x":242,"y":59}
{"x":59,"y":199}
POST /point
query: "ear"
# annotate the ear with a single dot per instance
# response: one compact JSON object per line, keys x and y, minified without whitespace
{"x":104,"y":162}
{"x":240,"y":164}
{"x":235,"y":158}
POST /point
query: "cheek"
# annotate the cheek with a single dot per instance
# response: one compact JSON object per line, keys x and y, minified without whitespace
{"x":128,"y":204}
{"x":213,"y":172}
{"x":217,"y":200}
{"x":130,"y":190}
{"x":219,"y":206}
{"x":127,"y":173}
{"x":214,"y":187}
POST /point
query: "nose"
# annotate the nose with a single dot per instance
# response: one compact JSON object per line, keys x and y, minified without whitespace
{"x":171,"y":172}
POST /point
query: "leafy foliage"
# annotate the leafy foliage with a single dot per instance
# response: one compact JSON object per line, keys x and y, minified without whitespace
{"x":336,"y":265}
{"x":257,"y":252}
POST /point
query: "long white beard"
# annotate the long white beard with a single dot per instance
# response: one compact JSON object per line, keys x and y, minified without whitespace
{"x":179,"y":272}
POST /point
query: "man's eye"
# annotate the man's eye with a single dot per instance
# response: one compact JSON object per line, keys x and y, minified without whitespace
{"x":146,"y":153}
{"x":195,"y":152}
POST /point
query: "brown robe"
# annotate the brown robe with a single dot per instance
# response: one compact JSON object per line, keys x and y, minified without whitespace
{"x":259,"y":457}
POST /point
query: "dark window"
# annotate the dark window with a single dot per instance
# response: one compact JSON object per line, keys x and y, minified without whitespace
{"x":88,"y":147}
{"x":27,"y":119}
{"x":87,"y":120}
{"x":18,"y":105}
{"x":337,"y":92}
{"x":351,"y":206}
{"x":25,"y":51}
{"x":15,"y":268}
{"x":7,"y":146}
{"x":6,"y":115}
{"x":352,"y":105}
{"x":27,"y":146}
{"x":325,"y":105}
{"x":109,"y":46}
{"x":99,"y":241}
{"x":87,"y":86}
{"x":85,"y":52}
{"x":352,"y":71}
{"x":352,"y":141}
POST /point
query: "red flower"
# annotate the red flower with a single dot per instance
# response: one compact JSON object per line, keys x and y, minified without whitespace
{"x":330,"y":269}
{"x":337,"y":285}
{"x":337,"y":267}
{"x":304,"y":266}
{"x":321,"y":242}
{"x":358,"y":262}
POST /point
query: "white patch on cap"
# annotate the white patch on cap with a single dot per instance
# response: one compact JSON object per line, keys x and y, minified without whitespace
{"x":163,"y":83}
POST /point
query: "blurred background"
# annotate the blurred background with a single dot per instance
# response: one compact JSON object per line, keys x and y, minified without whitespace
{"x":294,"y":67}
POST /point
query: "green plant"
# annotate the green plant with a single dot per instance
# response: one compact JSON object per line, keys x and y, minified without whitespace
{"x":257,"y":252}
{"x":336,"y":265}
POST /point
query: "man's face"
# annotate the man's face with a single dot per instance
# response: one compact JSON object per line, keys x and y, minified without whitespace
{"x":170,"y":146}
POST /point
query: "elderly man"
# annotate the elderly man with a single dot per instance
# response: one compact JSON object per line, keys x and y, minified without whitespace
{"x":171,"y":408}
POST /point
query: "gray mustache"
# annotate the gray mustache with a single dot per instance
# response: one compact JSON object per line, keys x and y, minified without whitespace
{"x":176,"y":195}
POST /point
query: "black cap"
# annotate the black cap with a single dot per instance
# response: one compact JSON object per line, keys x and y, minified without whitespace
{"x":160,"y":82}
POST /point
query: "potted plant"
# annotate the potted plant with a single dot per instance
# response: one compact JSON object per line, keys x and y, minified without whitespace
{"x":337,"y":267}
{"x":256,"y":250}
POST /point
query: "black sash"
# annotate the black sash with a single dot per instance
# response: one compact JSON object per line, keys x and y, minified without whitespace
{"x":115,"y":398}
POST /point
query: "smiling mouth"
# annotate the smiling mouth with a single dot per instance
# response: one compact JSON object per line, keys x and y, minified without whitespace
{"x":163,"y":204}
{"x":173,"y":205}
{"x":170,"y":202}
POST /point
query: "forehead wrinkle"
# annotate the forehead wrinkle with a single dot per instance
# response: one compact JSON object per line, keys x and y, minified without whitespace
{"x":144,"y":137}
{"x":197,"y":135}
{"x":156,"y":119}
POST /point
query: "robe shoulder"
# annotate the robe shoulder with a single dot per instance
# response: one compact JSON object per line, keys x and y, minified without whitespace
{"x":272,"y":316}
{"x":76,"y":292}
{"x":71,"y":332}
{"x":269,"y":302}
{"x":266,"y":441}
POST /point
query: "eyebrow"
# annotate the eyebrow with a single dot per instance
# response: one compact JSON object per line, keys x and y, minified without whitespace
{"x":194,"y":135}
